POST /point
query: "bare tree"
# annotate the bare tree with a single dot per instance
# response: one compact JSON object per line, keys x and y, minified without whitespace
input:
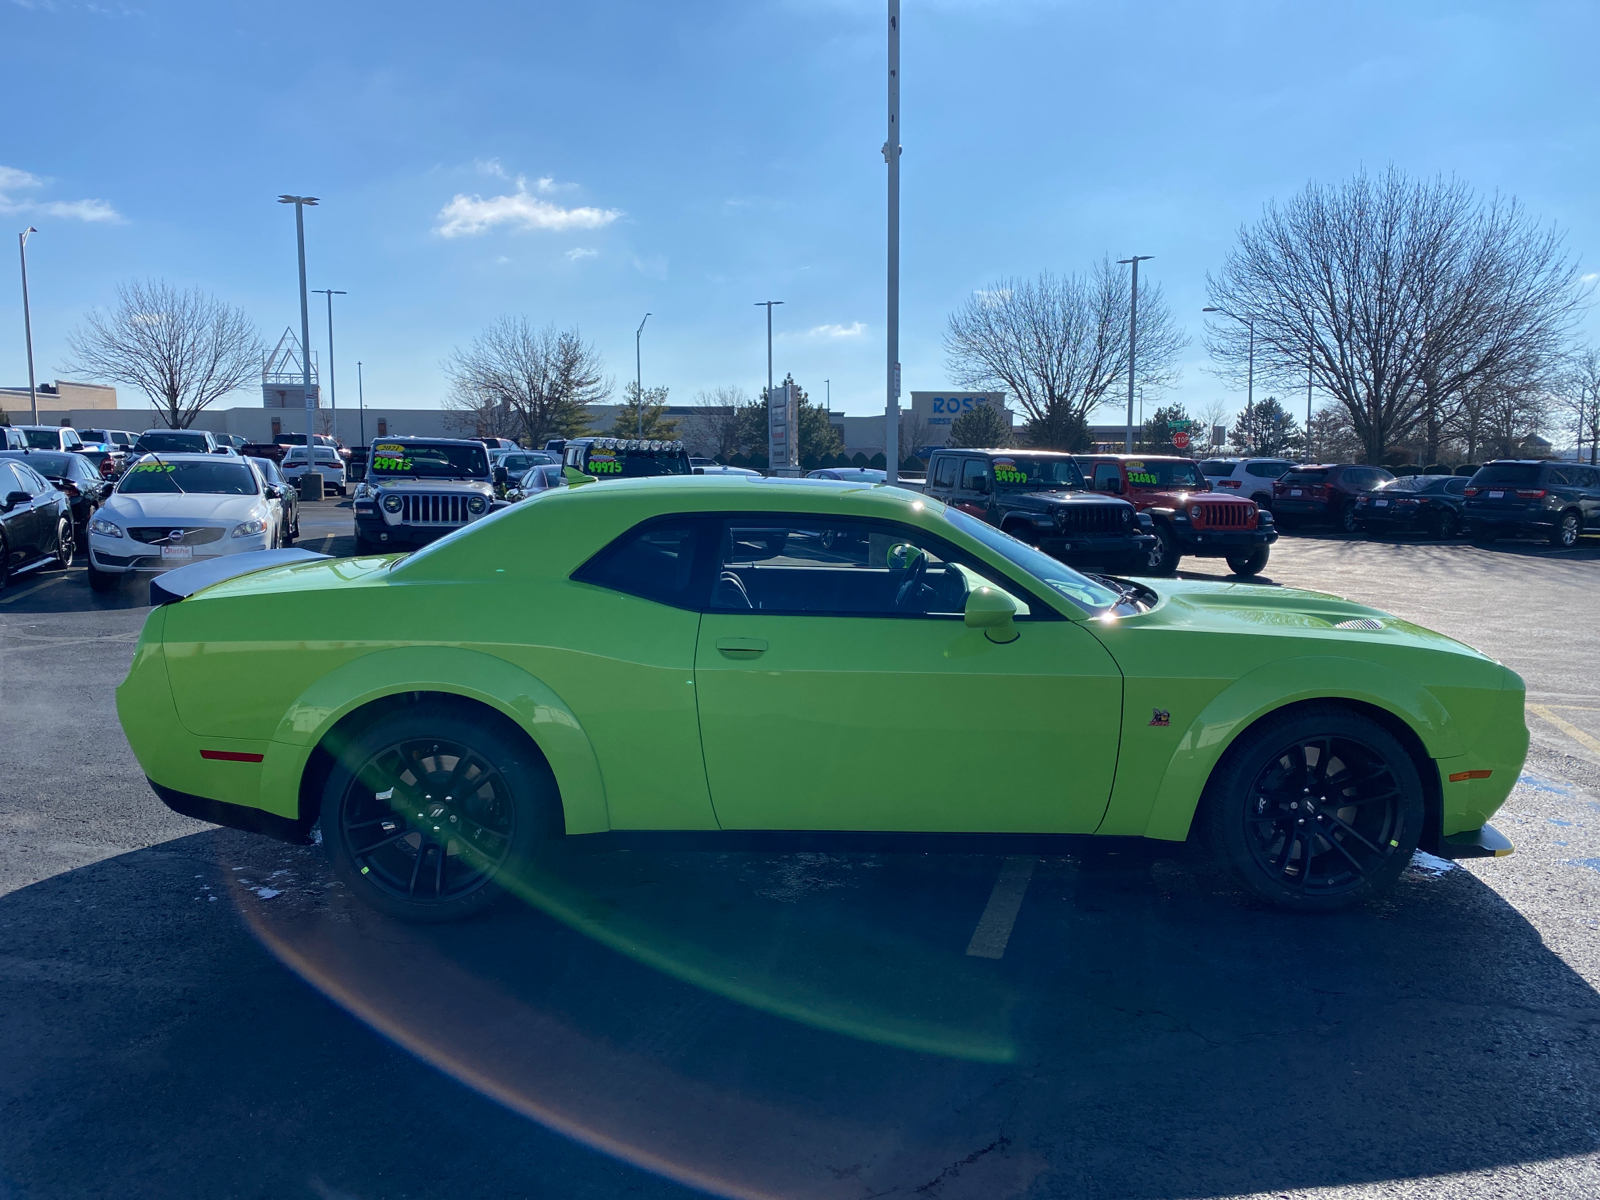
{"x":713,"y":429}
{"x":1403,"y":296}
{"x":915,"y":433}
{"x":183,"y":349}
{"x":1332,"y":437}
{"x":545,"y":377}
{"x":1579,"y":403}
{"x":1211,"y":415}
{"x":1059,"y":344}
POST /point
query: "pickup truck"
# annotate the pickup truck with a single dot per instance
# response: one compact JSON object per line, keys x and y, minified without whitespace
{"x":1040,"y":497}
{"x":1189,"y":517}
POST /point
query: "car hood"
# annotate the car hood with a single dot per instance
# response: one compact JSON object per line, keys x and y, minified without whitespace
{"x":466,"y":486}
{"x":216,"y":510}
{"x":1181,"y":499}
{"x":1064,"y":497}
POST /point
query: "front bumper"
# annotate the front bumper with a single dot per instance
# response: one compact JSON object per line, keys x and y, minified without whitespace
{"x":375,"y":529}
{"x":1069,"y":545}
{"x":1219,"y":543}
{"x":1487,"y":842}
{"x":117,"y":556}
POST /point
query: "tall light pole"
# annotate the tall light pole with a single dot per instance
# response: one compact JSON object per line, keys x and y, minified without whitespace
{"x":1311,"y":368}
{"x":1133,"y":335}
{"x":300,"y":203}
{"x":27,"y":319}
{"x":1250,"y":371}
{"x":333,"y":401}
{"x":891,"y":155}
{"x":638,"y":379}
{"x":361,"y":404}
{"x":768,"y":305}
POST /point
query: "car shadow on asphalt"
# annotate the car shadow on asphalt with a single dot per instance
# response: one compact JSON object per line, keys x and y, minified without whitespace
{"x":47,"y":591}
{"x":765,"y":1024}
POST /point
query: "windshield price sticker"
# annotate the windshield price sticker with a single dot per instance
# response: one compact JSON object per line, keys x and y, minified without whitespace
{"x":604,"y":463}
{"x":1147,"y":478}
{"x":164,"y":467}
{"x":1005,"y":471}
{"x":391,"y":464}
{"x":390,"y":449}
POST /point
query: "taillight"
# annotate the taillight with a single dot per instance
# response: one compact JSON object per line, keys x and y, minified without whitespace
{"x":1531,"y":493}
{"x":1233,"y":483}
{"x":1472,"y":491}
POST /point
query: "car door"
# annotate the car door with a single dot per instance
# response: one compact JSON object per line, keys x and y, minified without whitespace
{"x":20,"y":522}
{"x":974,"y":488}
{"x":42,"y":526}
{"x":839,"y":689}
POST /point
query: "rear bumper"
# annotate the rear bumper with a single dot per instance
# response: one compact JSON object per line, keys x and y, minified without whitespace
{"x":234,"y":816}
{"x":1500,"y":518}
{"x":1298,"y":506}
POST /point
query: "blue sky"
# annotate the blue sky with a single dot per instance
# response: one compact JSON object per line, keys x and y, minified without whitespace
{"x":583,"y":163}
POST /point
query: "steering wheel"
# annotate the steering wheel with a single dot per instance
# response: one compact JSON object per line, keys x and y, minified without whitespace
{"x":911,"y":589}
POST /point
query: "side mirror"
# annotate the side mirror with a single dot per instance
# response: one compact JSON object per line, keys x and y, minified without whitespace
{"x":1114,"y":486}
{"x":984,"y":486}
{"x":992,"y":611}
{"x":273,"y":492}
{"x":16,"y":498}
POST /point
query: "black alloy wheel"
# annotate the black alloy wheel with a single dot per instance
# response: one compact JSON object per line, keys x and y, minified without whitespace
{"x":1316,"y":810}
{"x":1567,"y":531}
{"x":427,"y":814}
{"x":1347,"y":519}
{"x":1446,"y":523}
{"x":66,"y":550}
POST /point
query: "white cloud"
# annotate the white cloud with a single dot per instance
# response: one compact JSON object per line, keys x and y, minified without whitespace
{"x":13,"y":179}
{"x":467,"y":215}
{"x":490,"y":166}
{"x":833,"y":332}
{"x":578,"y":252}
{"x":992,"y":299}
{"x":1591,"y":277}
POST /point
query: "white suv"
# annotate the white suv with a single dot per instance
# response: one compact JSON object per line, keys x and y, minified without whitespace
{"x":327,"y":462}
{"x":1248,"y":477}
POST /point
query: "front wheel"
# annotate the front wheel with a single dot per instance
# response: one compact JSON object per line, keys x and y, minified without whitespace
{"x":1165,"y":554}
{"x":66,"y":550}
{"x":1446,"y":524}
{"x":1251,"y":563}
{"x":1315,"y":809}
{"x":429,"y":814}
{"x":1567,"y":531}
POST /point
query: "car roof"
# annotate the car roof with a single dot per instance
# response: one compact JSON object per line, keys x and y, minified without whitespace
{"x":415,"y":439}
{"x":188,"y":456}
{"x":1136,"y":458}
{"x":983,"y":450}
{"x":196,"y":432}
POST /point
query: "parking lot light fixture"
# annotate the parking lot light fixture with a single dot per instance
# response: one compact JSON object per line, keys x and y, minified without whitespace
{"x":300,"y":203}
{"x":27,"y":319}
{"x":1133,"y":334}
{"x":333,"y":400}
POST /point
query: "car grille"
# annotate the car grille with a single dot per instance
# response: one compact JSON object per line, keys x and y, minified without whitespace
{"x":151,"y":535}
{"x":427,"y":509}
{"x":1225,"y":516}
{"x":1094,"y":518}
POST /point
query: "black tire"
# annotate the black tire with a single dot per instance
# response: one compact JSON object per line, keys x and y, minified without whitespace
{"x":1165,"y":554}
{"x":102,"y":581}
{"x":1263,"y":501}
{"x":286,"y":535}
{"x":1251,"y":563}
{"x":5,"y":563}
{"x":365,"y":545}
{"x":411,"y":853}
{"x":1446,"y":524}
{"x":1347,"y":520}
{"x":1325,"y":764}
{"x":66,"y":551}
{"x":1569,"y":528}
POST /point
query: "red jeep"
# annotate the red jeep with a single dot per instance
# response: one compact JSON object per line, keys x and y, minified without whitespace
{"x":1189,"y":517}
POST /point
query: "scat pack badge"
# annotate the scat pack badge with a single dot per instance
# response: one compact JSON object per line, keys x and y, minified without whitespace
{"x":1160,"y":716}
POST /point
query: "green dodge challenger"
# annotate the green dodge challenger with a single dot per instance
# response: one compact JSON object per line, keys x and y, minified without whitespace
{"x":716,"y":653}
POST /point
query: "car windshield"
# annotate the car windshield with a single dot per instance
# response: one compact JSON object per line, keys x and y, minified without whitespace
{"x":43,"y":439}
{"x":173,"y":443}
{"x":1027,"y":472}
{"x":220,"y":478}
{"x":268,"y":468}
{"x":1143,"y":473}
{"x":1513,"y":473}
{"x":1088,"y":595}
{"x":522,"y":460}
{"x":424,"y":460}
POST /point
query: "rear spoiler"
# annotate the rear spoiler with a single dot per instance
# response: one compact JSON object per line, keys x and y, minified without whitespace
{"x":186,"y":581}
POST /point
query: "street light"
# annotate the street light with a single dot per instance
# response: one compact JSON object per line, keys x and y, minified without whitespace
{"x":361,"y":404}
{"x":768,"y":305}
{"x":300,"y":203}
{"x":1250,"y":371}
{"x":638,"y":378}
{"x":333,"y":402}
{"x":27,"y":318}
{"x":891,"y":156}
{"x":1133,"y":335}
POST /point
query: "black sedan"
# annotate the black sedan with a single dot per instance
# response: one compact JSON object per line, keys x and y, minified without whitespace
{"x":1431,"y":503}
{"x":77,"y":476}
{"x":35,"y":520}
{"x":288,"y":499}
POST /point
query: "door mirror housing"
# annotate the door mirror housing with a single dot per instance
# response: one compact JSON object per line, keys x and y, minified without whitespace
{"x":1114,"y":486}
{"x":992,"y":611}
{"x":273,"y":492}
{"x":15,"y":498}
{"x":500,"y":476}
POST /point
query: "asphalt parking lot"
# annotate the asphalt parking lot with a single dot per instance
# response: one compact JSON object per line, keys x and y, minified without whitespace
{"x":195,"y":1012}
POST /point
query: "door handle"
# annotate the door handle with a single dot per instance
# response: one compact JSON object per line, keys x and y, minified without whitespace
{"x":741,"y":647}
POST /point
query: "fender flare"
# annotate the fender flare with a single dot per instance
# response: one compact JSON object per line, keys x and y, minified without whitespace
{"x":1278,"y":685}
{"x":508,"y":689}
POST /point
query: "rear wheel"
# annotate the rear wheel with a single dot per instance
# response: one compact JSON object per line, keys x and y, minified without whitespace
{"x":1250,"y":563}
{"x":1347,"y":520}
{"x":66,"y":550}
{"x":429,"y":814}
{"x":1165,"y":554}
{"x":1446,"y":523}
{"x":1567,"y":531}
{"x":1315,"y":809}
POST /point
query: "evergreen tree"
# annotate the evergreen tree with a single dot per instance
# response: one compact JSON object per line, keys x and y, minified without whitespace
{"x":1267,"y":431}
{"x":1156,"y":435}
{"x":655,"y":425}
{"x":818,"y":436}
{"x":982,"y":425}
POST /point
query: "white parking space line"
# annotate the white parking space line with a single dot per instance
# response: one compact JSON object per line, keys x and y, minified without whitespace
{"x":1000,"y":914}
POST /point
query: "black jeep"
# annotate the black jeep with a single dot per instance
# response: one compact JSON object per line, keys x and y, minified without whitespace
{"x":1040,"y":497}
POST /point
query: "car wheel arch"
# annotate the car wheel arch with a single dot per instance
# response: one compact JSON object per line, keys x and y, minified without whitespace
{"x":1406,"y":708}
{"x":365,"y":688}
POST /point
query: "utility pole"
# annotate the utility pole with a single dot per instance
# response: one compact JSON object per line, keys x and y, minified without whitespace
{"x":361,"y":404}
{"x":300,"y":203}
{"x":27,"y":319}
{"x":638,"y":380}
{"x":768,"y":305}
{"x":1311,"y":367}
{"x":333,"y":400}
{"x":1133,"y":335}
{"x":891,"y":155}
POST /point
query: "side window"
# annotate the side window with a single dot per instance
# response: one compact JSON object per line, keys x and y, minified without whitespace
{"x":1558,"y":477}
{"x":32,"y":481}
{"x":974,"y":473}
{"x":9,"y":482}
{"x":828,"y":566}
{"x":654,"y":561}
{"x":1591,"y":478}
{"x":1104,"y":473}
{"x":1456,"y":486}
{"x":944,"y":472}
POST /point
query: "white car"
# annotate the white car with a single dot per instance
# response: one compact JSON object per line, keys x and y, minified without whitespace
{"x":327,"y":461}
{"x":176,"y":509}
{"x":1248,"y":477}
